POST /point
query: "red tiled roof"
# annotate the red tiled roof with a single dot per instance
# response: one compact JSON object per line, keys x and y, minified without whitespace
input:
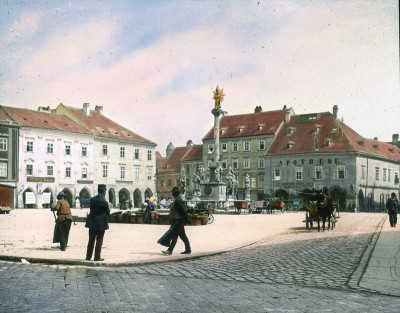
{"x":253,"y":124}
{"x":101,"y":126}
{"x":37,"y":119}
{"x":328,"y":134}
{"x":172,"y":163}
{"x":195,"y":153}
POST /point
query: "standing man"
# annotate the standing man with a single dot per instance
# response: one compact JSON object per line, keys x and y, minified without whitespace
{"x":392,"y":206}
{"x":179,"y":217}
{"x":63,"y":221}
{"x":97,"y":223}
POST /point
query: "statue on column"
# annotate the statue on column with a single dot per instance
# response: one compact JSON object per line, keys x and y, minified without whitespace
{"x":218,"y":173}
{"x":183,"y":182}
{"x":196,"y":183}
{"x":218,"y":97}
{"x":201,"y":174}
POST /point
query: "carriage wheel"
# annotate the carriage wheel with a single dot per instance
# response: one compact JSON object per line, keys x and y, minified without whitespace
{"x":288,"y":207}
{"x":210,"y":218}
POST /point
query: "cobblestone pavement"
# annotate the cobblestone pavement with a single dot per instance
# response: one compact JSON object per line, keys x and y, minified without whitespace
{"x":287,"y":273}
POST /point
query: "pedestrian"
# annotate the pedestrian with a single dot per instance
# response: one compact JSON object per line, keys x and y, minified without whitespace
{"x":147,"y":211}
{"x":63,"y":221}
{"x":179,"y":217}
{"x":392,"y":206}
{"x":97,"y":223}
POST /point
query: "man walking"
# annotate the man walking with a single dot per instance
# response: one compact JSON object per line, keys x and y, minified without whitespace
{"x":392,"y":208}
{"x":179,"y":217}
{"x":97,"y":223}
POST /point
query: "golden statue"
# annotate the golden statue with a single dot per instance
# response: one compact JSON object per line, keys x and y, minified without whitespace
{"x":218,"y":97}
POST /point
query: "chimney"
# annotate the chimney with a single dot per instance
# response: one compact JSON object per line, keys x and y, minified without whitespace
{"x":395,"y":138}
{"x":98,"y":109}
{"x":189,"y":143}
{"x":86,"y":109}
{"x":335,"y":110}
{"x":287,"y":115}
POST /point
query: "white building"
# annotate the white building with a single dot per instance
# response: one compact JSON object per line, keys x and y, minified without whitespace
{"x":73,"y":150}
{"x":123,"y":160}
{"x":55,"y":155}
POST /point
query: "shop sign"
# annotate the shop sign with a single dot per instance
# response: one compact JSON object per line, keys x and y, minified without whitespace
{"x":40,"y":179}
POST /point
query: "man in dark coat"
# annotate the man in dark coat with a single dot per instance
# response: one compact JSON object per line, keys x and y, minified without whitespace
{"x":392,"y":206}
{"x":179,"y":217}
{"x":97,"y":223}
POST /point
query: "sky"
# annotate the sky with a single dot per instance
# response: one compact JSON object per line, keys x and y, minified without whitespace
{"x":153,"y":65}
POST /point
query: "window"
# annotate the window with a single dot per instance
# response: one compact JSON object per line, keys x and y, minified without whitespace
{"x":169,"y":182}
{"x":319,"y":173}
{"x":224,"y":147}
{"x":376,"y":173}
{"x":389,"y":174}
{"x":136,"y":153}
{"x":67,"y":149}
{"x":340,"y":172}
{"x":137,"y":173}
{"x":396,"y":178}
{"x":105,"y":150}
{"x":162,"y":182}
{"x":299,"y":173}
{"x":67,"y":172}
{"x":246,"y":163}
{"x":246,"y":146}
{"x":384,"y":174}
{"x":29,"y":170}
{"x":29,"y":146}
{"x":105,"y":170}
{"x":363,"y":172}
{"x":261,"y":145}
{"x":49,"y":170}
{"x":235,"y":164}
{"x":210,"y":148}
{"x":84,"y":151}
{"x":122,"y":152}
{"x":148,"y":155}
{"x":149,"y":173}
{"x":261,"y":162}
{"x":235,"y":147}
{"x":3,"y":144}
{"x":49,"y":147}
{"x":122,"y":171}
{"x":276,"y":173}
{"x":224,"y":164}
{"x":84,"y":173}
{"x":3,"y":169}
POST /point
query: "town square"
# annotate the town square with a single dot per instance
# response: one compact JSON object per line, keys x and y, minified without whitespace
{"x":198,"y":156}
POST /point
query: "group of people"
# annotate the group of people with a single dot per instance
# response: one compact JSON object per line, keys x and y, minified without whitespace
{"x":97,"y":222}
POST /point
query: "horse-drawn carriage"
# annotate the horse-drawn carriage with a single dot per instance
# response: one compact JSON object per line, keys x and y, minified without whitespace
{"x":316,"y":212}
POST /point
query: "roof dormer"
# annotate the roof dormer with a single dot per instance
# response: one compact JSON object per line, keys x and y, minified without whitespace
{"x":239,"y":129}
{"x":316,"y":128}
{"x":289,"y":144}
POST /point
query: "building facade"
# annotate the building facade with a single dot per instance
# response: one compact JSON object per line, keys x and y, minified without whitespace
{"x":9,"y":143}
{"x":73,"y":150}
{"x":318,"y":150}
{"x":244,"y":140}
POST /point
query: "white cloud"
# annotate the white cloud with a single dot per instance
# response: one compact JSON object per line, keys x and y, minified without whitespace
{"x":24,"y":26}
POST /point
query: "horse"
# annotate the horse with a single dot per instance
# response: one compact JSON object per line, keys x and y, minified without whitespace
{"x":325,"y":209}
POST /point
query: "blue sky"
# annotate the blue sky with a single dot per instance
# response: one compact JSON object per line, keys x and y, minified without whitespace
{"x":153,"y":65}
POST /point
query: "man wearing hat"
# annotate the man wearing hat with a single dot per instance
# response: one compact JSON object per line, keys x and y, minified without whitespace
{"x":97,"y":223}
{"x":63,"y":221}
{"x":179,"y":217}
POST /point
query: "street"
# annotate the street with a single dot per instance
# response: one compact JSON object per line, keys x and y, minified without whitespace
{"x":295,"y":271}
